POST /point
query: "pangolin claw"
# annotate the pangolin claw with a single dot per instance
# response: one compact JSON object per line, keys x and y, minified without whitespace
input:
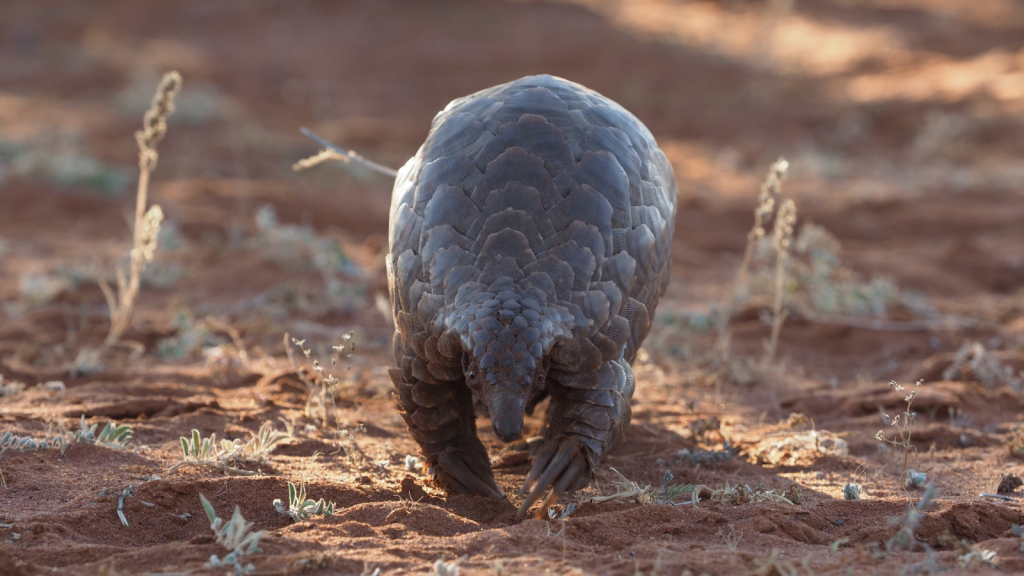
{"x":560,"y":467}
{"x":455,"y":473}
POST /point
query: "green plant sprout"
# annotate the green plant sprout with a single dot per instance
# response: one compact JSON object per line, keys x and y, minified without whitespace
{"x":234,"y":536}
{"x":301,"y":508}
{"x":208,"y":453}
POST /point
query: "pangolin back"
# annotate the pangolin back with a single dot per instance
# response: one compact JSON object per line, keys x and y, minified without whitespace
{"x":529,"y":244}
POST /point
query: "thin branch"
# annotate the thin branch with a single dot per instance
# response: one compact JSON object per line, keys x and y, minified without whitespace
{"x":332,"y":152}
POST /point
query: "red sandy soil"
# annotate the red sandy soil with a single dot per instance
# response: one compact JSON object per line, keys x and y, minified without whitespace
{"x":902,"y":122}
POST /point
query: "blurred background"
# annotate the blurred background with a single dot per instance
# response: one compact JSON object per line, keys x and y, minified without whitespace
{"x":901,"y":119}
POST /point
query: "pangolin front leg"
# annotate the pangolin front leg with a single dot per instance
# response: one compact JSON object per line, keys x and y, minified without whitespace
{"x":441,"y":420}
{"x":585,"y":422}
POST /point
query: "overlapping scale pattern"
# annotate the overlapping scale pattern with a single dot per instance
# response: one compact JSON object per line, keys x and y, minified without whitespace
{"x":530,"y":234}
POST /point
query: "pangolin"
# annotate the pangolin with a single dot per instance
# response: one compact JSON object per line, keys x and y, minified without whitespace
{"x":529,"y":243}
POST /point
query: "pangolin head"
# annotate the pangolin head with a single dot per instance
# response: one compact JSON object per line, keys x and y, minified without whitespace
{"x":505,"y":333}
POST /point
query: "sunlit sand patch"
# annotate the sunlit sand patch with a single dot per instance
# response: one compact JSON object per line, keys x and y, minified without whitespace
{"x":996,"y":74}
{"x":774,"y":37}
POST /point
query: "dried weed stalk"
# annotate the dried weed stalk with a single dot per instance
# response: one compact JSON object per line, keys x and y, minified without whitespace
{"x":904,"y":425}
{"x":130,"y":492}
{"x":324,"y":387}
{"x":766,"y":198}
{"x":782,"y":238}
{"x":147,"y":222}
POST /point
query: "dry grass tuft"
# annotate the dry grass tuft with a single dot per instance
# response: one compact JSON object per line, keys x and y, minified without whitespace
{"x":147,"y":222}
{"x":646,"y":495}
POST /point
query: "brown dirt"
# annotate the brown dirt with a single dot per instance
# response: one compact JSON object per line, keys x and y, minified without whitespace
{"x":902,"y":121}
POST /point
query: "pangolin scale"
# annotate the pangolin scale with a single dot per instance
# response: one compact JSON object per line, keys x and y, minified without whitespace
{"x":529,"y":243}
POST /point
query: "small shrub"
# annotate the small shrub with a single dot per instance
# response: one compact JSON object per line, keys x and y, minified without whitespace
{"x":59,"y":157}
{"x":234,"y":536}
{"x":202,"y":452}
{"x":324,"y":386}
{"x":852,"y":491}
{"x":191,"y":336}
{"x":1019,"y":532}
{"x":300,"y":508}
{"x":442,"y":568}
{"x":88,"y":361}
{"x":1015,"y":443}
{"x":1008,"y":483}
{"x":299,"y":248}
{"x":112,"y":435}
{"x":977,"y":558}
{"x":10,"y":388}
{"x":413,"y":464}
{"x":915,"y":479}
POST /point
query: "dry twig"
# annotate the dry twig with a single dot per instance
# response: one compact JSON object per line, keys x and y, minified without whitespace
{"x":332,"y":152}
